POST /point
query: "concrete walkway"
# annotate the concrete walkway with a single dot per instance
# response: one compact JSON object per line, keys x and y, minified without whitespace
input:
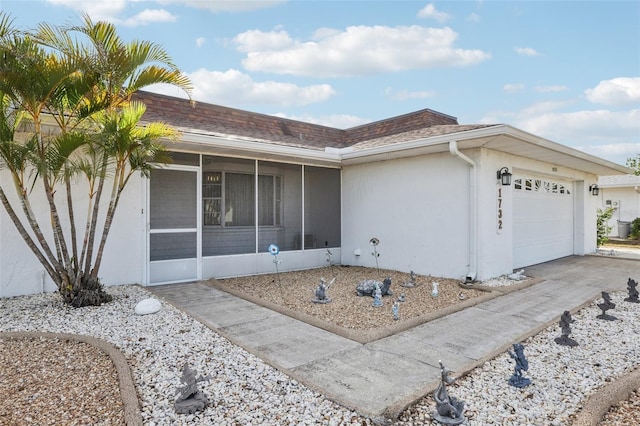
{"x":379,"y":379}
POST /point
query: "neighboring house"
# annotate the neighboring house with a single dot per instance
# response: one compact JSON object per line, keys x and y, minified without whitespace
{"x":622,"y":193}
{"x":424,"y":185}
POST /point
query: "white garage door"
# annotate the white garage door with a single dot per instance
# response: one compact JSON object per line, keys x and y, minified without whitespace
{"x":543,"y":220}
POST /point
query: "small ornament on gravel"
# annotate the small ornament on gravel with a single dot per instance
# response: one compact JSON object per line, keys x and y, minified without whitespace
{"x":517,"y":380}
{"x":632,"y":288}
{"x":411,"y":282}
{"x":321,"y":292}
{"x":565,"y":326}
{"x":396,"y":311}
{"x":605,"y":306}
{"x":190,"y":398}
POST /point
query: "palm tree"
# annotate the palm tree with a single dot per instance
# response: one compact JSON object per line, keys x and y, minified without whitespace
{"x":84,"y":89}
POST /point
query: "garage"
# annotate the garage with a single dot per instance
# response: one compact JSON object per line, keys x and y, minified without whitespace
{"x":543,"y":220}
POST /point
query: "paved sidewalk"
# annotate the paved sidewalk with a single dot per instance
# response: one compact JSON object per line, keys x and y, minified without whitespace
{"x":379,"y":379}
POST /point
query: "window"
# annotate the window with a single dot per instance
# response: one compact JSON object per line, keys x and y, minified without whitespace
{"x":234,"y":193}
{"x":211,"y":198}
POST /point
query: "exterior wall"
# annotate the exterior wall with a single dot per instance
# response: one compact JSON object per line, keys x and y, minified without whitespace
{"x":628,"y":205}
{"x":417,"y":207}
{"x":123,"y":262}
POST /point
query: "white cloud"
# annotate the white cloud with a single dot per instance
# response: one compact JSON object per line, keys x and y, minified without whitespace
{"x":227,"y":5}
{"x":608,"y":134}
{"x":358,"y":50}
{"x":236,"y":89}
{"x":256,"y":40}
{"x":550,"y":89}
{"x":513,"y":87}
{"x":401,"y":95}
{"x":526,"y":51}
{"x":200,"y":41}
{"x":617,"y":152}
{"x":474,"y":17}
{"x":613,"y":135}
{"x":149,"y":16}
{"x":429,"y":11}
{"x":97,"y":10}
{"x":616,"y":92}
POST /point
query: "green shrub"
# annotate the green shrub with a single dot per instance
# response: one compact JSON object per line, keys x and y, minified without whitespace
{"x":635,"y":228}
{"x":603,"y":228}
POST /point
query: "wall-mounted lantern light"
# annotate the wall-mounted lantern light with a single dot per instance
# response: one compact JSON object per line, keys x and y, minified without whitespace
{"x":594,"y":190}
{"x":504,"y":176}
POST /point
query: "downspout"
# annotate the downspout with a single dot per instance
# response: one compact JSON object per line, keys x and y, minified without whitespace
{"x":473,"y":211}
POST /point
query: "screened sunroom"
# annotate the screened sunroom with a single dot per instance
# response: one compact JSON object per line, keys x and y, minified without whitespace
{"x":215,"y":216}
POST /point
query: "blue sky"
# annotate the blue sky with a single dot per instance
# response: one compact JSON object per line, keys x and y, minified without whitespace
{"x":568,"y":71}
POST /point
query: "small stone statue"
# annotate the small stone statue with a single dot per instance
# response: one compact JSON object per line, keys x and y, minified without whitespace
{"x":632,"y":288}
{"x":321,"y":292}
{"x":396,"y":311}
{"x":449,"y":410}
{"x":190,"y":399}
{"x":368,"y":287}
{"x":605,"y":306}
{"x":411,"y":282}
{"x":565,"y":326}
{"x":522,"y":364}
{"x":434,"y":289}
{"x":377,"y":297}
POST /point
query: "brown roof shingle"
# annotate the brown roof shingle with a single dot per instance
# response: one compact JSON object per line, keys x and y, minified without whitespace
{"x":197,"y":117}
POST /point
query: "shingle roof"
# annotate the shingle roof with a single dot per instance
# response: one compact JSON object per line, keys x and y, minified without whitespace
{"x":216,"y":120}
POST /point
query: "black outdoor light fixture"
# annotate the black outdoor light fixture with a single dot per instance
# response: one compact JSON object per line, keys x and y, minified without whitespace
{"x":594,"y":190}
{"x":504,"y":176}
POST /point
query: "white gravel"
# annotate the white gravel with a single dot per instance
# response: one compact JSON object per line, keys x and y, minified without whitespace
{"x":243,"y":390}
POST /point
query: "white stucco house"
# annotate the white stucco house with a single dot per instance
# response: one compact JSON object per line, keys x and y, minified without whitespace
{"x":427,"y":187}
{"x":622,"y":193}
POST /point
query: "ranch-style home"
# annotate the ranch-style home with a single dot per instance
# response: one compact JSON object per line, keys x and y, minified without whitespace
{"x":470,"y":202}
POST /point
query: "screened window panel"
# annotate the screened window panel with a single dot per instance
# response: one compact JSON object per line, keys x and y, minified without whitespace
{"x":228,"y":202}
{"x":184,"y":158}
{"x":321,"y":208}
{"x":174,"y":245}
{"x":239,"y":199}
{"x":266,"y":203}
{"x":173,"y":199}
{"x":280,"y":205}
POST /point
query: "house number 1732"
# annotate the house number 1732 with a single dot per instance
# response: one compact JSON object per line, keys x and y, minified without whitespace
{"x":500,"y":222}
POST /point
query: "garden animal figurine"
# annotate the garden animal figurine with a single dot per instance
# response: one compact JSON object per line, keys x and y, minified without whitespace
{"x":396,"y":311}
{"x":368,"y":287}
{"x":377,"y":297}
{"x":434,"y":289}
{"x":321,"y":291}
{"x":411,"y":282}
{"x":605,"y":306}
{"x":448,"y":409}
{"x":522,"y":364}
{"x":632,"y":288}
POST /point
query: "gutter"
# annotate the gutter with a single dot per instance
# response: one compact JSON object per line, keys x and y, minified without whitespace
{"x":473,"y":211}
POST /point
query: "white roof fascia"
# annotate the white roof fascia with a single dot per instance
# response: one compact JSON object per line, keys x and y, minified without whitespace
{"x":266,"y":149}
{"x":554,"y":146}
{"x":410,"y":148}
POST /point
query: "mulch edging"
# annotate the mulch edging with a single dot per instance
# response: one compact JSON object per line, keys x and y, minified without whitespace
{"x":132,"y":414}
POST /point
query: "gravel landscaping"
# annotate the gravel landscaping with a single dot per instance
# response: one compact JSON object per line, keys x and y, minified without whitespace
{"x":244,"y":390}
